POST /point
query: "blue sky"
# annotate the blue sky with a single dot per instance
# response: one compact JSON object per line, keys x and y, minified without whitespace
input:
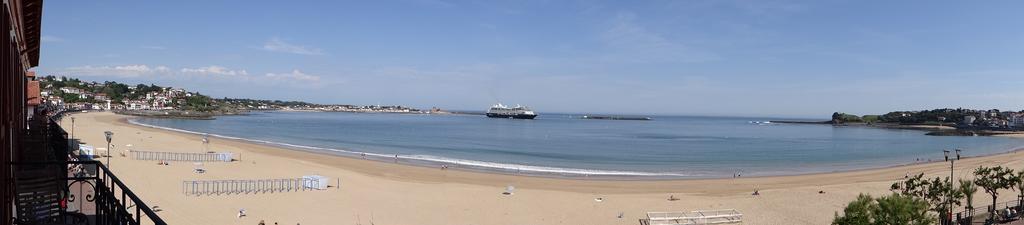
{"x":689,"y":57}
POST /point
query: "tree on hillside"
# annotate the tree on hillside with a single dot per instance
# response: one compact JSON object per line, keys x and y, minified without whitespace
{"x":840,"y":118}
{"x":199,"y":102}
{"x":71,"y":98}
{"x":887,"y":210}
{"x":991,"y":179}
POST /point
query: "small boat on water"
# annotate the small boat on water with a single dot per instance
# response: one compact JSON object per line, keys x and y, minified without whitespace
{"x":503,"y":111}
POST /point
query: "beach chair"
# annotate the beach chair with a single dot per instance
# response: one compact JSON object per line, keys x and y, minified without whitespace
{"x":198,"y":168}
{"x":510,"y":190}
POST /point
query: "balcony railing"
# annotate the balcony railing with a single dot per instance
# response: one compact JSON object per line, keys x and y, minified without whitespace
{"x":90,"y":194}
{"x":52,"y":186}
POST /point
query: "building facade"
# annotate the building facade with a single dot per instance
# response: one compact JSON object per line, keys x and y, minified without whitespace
{"x":21,"y":20}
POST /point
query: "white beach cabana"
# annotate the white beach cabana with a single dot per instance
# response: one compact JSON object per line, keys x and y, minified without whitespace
{"x":315,"y":182}
{"x":86,"y":151}
{"x":225,"y":156}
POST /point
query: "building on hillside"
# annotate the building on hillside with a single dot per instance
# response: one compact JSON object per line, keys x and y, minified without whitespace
{"x":968,"y":120}
{"x":32,"y":95}
{"x":71,"y":90}
{"x":137,"y":105}
{"x":101,"y":97}
{"x":1016,"y":120}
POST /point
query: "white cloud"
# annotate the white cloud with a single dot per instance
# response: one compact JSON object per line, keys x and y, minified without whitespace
{"x":214,"y":70}
{"x":120,"y":71}
{"x":278,"y":45}
{"x":294,"y":75}
{"x":213,"y":73}
{"x":48,"y":38}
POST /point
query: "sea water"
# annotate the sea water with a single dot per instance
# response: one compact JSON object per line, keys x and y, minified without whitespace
{"x":565,"y":145}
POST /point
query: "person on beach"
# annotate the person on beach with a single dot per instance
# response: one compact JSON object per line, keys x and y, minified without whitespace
{"x":241,"y":212}
{"x":262,"y":223}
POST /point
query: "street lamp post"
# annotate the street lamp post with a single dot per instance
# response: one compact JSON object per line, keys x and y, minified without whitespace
{"x":949,"y":201}
{"x":206,"y":142}
{"x":109,"y":136}
{"x":72,"y":128}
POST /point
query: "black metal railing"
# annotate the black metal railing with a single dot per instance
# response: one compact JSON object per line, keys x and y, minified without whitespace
{"x":52,"y":186}
{"x":90,"y":194}
{"x":980,"y":214}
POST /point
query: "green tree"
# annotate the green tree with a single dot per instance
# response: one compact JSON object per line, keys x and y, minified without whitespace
{"x":857,"y":212}
{"x":1018,"y":183}
{"x":912,"y":186}
{"x":71,"y":98}
{"x":939,"y":193}
{"x":968,"y":188}
{"x":895,"y":209}
{"x":898,"y":209}
{"x":992,"y":179}
{"x":840,"y":118}
{"x":943,"y":196}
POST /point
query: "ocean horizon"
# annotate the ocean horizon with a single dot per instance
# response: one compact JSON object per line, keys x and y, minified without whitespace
{"x":667,"y":147}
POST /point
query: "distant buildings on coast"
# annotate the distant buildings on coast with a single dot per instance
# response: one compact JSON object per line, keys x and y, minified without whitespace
{"x":358,"y":109}
{"x":73,"y":94}
{"x":993,"y":119}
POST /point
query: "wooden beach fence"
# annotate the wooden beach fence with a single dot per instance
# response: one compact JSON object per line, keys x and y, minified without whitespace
{"x":256,"y":186}
{"x":183,"y":156}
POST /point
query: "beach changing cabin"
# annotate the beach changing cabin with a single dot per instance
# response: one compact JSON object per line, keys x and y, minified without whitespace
{"x":225,"y":156}
{"x":86,"y":151}
{"x":315,"y":182}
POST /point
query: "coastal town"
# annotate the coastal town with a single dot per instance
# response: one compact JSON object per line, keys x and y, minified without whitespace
{"x":944,"y":122}
{"x":72,"y":94}
{"x":959,"y":117}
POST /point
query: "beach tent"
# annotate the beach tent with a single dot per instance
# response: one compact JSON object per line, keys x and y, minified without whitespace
{"x":103,"y":152}
{"x":86,"y":151}
{"x":315,"y":182}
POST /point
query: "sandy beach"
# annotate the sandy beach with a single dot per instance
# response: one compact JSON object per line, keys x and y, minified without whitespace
{"x":373,"y":192}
